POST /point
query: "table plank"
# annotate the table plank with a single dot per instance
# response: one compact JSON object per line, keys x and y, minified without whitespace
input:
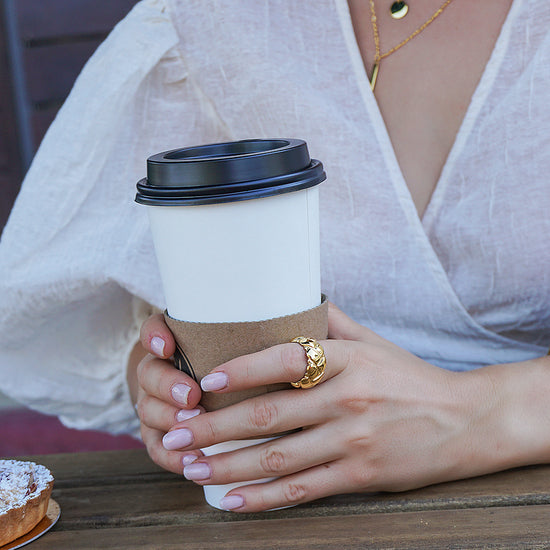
{"x":528,"y":485}
{"x":179,"y":502}
{"x":505,"y":527}
{"x":95,"y":489}
{"x":121,"y":499}
{"x":83,"y":469}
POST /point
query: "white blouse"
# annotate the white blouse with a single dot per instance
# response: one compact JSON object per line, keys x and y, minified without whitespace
{"x":465,"y":286}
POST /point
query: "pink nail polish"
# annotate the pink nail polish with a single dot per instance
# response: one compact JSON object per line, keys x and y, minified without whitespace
{"x":231,"y":502}
{"x":197,"y":471}
{"x":188,"y":459}
{"x":185,"y":414}
{"x":214,"y":381}
{"x":177,"y":439}
{"x":157,"y":346}
{"x":180,"y":392}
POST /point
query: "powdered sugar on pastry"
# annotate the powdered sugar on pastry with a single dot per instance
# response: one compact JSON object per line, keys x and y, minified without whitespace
{"x":19,"y":481}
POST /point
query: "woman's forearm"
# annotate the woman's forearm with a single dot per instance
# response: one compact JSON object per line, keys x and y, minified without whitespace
{"x":511,"y":422}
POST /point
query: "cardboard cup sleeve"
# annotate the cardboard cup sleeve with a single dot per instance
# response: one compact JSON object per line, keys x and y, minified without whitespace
{"x":203,"y":346}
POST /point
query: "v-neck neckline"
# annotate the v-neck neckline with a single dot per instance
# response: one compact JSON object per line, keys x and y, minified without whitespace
{"x":477,"y":102}
{"x":421,"y":227}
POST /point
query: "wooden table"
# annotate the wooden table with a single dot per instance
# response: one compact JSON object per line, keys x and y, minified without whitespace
{"x":120,"y":499}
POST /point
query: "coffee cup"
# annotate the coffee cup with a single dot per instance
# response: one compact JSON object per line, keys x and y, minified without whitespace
{"x":236,"y":233}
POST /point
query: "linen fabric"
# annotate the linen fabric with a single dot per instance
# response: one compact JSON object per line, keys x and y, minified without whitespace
{"x":465,"y":286}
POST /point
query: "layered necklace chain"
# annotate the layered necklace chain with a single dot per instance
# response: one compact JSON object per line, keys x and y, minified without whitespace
{"x":398,"y":10}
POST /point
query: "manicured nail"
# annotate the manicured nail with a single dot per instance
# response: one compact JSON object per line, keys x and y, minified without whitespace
{"x":232,"y":502}
{"x":215,"y":381}
{"x":177,"y":439}
{"x":197,"y":471}
{"x":188,"y":459}
{"x":185,"y":414}
{"x":157,"y":346}
{"x":180,"y":392}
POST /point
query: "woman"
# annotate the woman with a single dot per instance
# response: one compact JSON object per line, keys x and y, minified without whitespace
{"x":382,"y":419}
{"x":426,"y":241}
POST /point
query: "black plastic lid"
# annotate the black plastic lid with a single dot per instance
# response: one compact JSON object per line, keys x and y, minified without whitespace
{"x":228,"y":172}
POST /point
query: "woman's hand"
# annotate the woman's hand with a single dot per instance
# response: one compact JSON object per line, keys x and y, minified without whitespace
{"x":381,"y":419}
{"x":165,"y":395}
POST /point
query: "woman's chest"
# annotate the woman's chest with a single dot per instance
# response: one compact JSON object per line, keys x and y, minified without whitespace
{"x":424,"y":88}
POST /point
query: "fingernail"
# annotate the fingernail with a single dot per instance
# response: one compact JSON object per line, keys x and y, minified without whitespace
{"x":180,"y":392}
{"x":185,"y":414}
{"x":188,"y":459}
{"x":231,"y":502}
{"x":197,"y":471}
{"x":177,"y":439}
{"x":215,"y":381}
{"x":157,"y":346}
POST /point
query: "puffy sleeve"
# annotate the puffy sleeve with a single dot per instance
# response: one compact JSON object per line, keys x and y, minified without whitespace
{"x":77,"y":267}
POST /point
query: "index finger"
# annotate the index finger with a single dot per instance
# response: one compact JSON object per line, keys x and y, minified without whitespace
{"x":281,"y":363}
{"x":160,"y":379}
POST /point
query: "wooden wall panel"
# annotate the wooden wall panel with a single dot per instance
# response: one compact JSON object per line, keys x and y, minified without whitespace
{"x":10,"y":161}
{"x":40,"y":19}
{"x":56,"y":39}
{"x":52,"y":70}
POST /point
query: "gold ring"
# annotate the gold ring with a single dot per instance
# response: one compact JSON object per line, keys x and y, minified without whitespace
{"x":316,"y":363}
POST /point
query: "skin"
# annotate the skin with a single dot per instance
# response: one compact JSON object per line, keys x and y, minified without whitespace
{"x":382,"y":419}
{"x":423,"y":89}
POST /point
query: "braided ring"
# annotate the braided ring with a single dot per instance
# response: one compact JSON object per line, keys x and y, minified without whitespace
{"x":316,"y":363}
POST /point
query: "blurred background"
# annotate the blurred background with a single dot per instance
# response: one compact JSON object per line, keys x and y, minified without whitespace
{"x":43,"y":46}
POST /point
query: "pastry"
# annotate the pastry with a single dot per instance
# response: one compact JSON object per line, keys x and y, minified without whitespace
{"x":25,"y":489}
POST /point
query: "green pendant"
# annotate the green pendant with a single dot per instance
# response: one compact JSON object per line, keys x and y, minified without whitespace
{"x":398,"y":10}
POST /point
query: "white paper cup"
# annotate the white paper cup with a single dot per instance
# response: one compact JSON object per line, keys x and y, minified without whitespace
{"x":236,"y":233}
{"x":241,"y":261}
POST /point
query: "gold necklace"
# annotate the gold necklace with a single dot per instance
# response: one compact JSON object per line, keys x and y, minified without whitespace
{"x":378,"y":56}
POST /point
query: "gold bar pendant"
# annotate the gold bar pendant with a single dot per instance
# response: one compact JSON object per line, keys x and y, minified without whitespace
{"x":374,"y":76}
